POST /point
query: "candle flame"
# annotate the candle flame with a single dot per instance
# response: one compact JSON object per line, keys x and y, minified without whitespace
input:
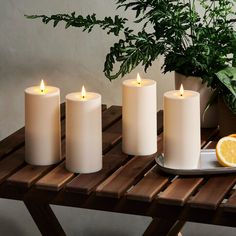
{"x":181,"y":90}
{"x":42,"y":86}
{"x":83,"y":92}
{"x":139,"y":79}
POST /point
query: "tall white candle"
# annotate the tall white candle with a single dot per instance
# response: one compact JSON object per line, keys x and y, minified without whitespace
{"x":83,"y":132}
{"x":139,"y":121}
{"x":182,"y":129}
{"x":42,"y":125}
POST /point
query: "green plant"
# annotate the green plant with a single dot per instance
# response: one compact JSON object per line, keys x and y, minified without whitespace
{"x":227,"y":87}
{"x":198,"y":41}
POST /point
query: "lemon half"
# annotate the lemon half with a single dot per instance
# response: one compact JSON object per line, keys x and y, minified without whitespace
{"x":226,"y":151}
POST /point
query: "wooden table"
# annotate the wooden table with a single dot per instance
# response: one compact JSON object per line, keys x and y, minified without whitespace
{"x":126,"y":184}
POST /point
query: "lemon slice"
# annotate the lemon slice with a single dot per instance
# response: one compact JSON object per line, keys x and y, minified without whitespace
{"x":226,"y":151}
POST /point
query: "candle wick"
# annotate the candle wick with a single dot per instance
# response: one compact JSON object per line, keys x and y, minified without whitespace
{"x":181,"y":95}
{"x":83,"y":97}
{"x":41,"y":90}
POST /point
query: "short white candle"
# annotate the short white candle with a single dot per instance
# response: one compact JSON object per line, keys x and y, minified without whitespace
{"x":42,"y":125}
{"x":182,"y":140}
{"x":139,"y":121}
{"x":83,"y":132}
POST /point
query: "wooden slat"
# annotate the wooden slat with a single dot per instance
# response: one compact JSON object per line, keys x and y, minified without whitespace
{"x":179,"y":191}
{"x":54,"y":183}
{"x":160,"y":227}
{"x":213,"y":192}
{"x":149,"y":186}
{"x":211,"y":145}
{"x":12,"y":163}
{"x":156,"y":183}
{"x":215,"y":189}
{"x":85,"y":183}
{"x":56,"y":179}
{"x":12,"y":142}
{"x":121,"y":180}
{"x":63,"y":110}
{"x":111,"y":136}
{"x":110,"y":116}
{"x":151,"y":183}
{"x":28,"y":175}
{"x":207,"y":135}
{"x":230,"y":205}
{"x":159,"y":122}
{"x":59,"y":176}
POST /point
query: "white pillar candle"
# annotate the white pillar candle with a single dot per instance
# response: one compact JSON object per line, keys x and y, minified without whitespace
{"x":42,"y":125}
{"x":182,"y":141}
{"x":83,"y":132}
{"x":139,"y":121}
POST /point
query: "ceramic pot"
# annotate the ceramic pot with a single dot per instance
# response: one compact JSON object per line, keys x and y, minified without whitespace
{"x":194,"y":83}
{"x":227,"y":119}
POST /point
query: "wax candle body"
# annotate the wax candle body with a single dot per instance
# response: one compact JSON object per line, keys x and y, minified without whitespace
{"x":139,"y":121}
{"x":83,"y":133}
{"x":182,"y":129}
{"x":42,"y":126}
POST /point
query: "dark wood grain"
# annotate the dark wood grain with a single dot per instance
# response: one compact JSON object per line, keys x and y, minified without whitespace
{"x":151,"y":184}
{"x":126,"y":184}
{"x":159,"y":122}
{"x":28,"y":175}
{"x":213,"y":192}
{"x":111,"y":136}
{"x":216,"y":188}
{"x":179,"y":191}
{"x":113,"y":159}
{"x":110,"y":116}
{"x":207,"y":135}
{"x":56,"y":179}
{"x":12,"y":142}
{"x":121,"y":180}
{"x":85,"y":183}
{"x":160,"y":227}
{"x":11,"y":164}
{"x":230,"y":205}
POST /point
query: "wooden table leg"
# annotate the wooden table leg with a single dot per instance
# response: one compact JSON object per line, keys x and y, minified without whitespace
{"x":45,"y":219}
{"x":164,"y":227}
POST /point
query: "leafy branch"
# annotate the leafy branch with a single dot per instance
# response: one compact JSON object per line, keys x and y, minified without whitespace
{"x":192,"y":43}
{"x":86,"y":23}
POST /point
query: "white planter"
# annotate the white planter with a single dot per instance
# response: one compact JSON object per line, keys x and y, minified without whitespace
{"x":195,"y":83}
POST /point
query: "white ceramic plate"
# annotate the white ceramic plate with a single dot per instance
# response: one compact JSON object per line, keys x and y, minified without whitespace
{"x":208,"y":165}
